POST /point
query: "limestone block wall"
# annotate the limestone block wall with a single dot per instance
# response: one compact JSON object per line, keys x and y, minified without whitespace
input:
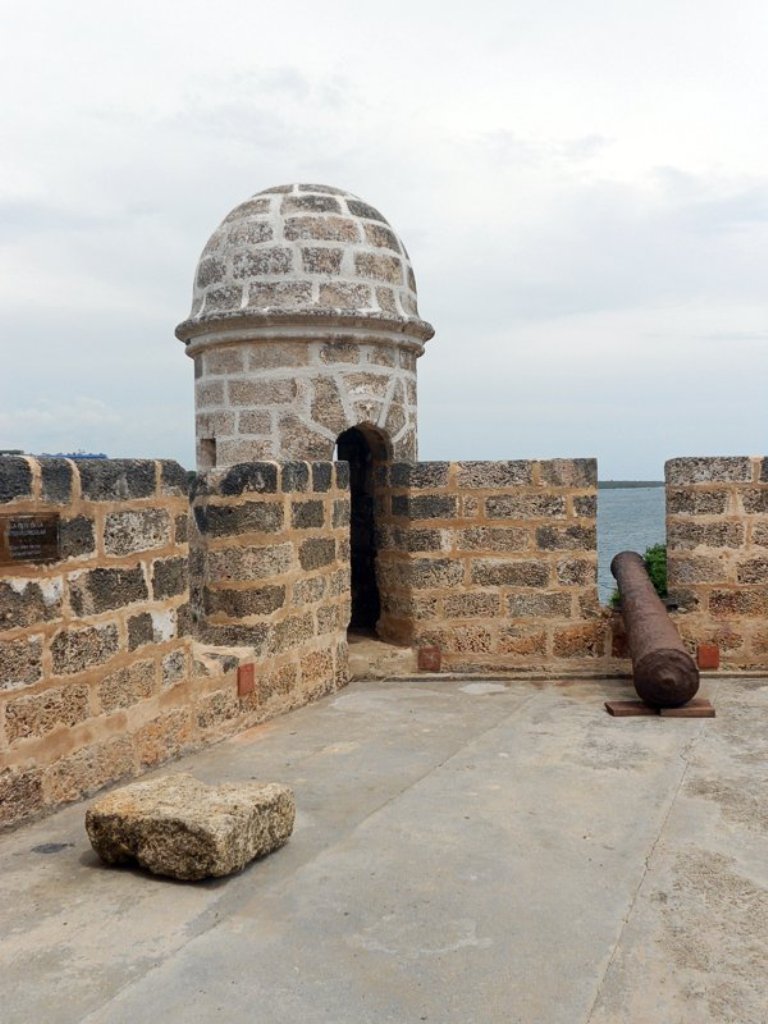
{"x":717,"y":554}
{"x":493,"y":562}
{"x":270,"y":568}
{"x":291,"y":399}
{"x":93,"y":644}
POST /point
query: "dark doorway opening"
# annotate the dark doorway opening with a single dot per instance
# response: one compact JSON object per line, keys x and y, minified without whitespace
{"x":353,"y":447}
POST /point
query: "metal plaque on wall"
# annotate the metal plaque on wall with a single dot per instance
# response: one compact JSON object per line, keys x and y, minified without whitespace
{"x":29,"y":538}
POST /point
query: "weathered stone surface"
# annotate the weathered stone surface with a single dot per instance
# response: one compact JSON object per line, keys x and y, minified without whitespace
{"x":224,"y":360}
{"x":494,"y":474}
{"x":308,"y":589}
{"x":169,"y":577}
{"x":419,"y":474}
{"x":425,"y":506}
{"x":684,"y":535}
{"x":258,"y":262}
{"x":317,"y":552}
{"x":77,"y":537}
{"x":250,"y":517}
{"x":566,"y":538}
{"x":250,"y":476}
{"x":246,"y":563}
{"x":325,"y":229}
{"x":21,"y":793}
{"x":708,"y":470}
{"x":322,"y":475}
{"x":583,"y":641}
{"x":695,"y":569}
{"x":242,"y":603}
{"x":38,"y":713}
{"x":475,"y":604}
{"x":422,"y":573}
{"x":295,"y":477}
{"x":89,"y":769}
{"x":696,"y":503}
{"x":321,"y":260}
{"x":100,"y":590}
{"x":215,"y":424}
{"x":181,"y":828}
{"x":345,"y":296}
{"x":174,"y":479}
{"x":539,"y":606}
{"x":498,"y":573}
{"x":56,"y":480}
{"x":749,"y":602}
{"x":341,"y":512}
{"x":254,"y":421}
{"x":585,"y":506}
{"x":569,"y":472}
{"x":755,"y":500}
{"x":136,"y":530}
{"x":307,"y":514}
{"x":291,"y":632}
{"x":577,"y":571}
{"x":25,"y":602}
{"x":74,"y":650}
{"x":21,"y":662}
{"x":396,"y":538}
{"x":140,"y":630}
{"x":522,"y":641}
{"x":298,"y":440}
{"x":262,"y":392}
{"x":127,"y":685}
{"x":340,"y":352}
{"x":116,"y":479}
{"x":525,"y":506}
{"x":15,"y":478}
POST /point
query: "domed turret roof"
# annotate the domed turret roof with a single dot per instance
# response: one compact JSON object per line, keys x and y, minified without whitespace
{"x":296,"y":252}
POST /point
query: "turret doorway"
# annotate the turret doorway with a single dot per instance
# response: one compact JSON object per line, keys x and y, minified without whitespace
{"x":355,"y":447}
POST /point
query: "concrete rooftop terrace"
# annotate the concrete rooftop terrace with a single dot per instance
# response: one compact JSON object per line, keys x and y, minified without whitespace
{"x":464,"y":851}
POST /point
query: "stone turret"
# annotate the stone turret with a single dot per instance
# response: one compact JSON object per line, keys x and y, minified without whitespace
{"x":304,"y":324}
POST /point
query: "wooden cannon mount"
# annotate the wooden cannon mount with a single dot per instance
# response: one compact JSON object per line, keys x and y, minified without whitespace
{"x":665,"y":676}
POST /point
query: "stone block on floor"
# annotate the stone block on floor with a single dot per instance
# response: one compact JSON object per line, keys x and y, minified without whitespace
{"x":182,"y":828}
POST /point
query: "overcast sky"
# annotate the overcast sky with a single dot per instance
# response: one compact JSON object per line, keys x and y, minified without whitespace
{"x":582,"y":186}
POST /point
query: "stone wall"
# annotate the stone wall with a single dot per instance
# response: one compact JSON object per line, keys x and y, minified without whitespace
{"x":493,"y":562}
{"x":107,"y":668}
{"x":92,"y":645}
{"x":270,"y":568}
{"x":291,"y":399}
{"x":717,"y":552}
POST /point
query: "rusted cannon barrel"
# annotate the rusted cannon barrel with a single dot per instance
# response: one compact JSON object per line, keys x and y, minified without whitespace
{"x":665,"y":675}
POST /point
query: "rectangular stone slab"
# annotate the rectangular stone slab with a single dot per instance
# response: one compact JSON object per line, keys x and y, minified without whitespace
{"x":180,"y":827}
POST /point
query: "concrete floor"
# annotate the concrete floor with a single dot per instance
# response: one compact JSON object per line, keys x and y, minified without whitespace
{"x":464,"y":852}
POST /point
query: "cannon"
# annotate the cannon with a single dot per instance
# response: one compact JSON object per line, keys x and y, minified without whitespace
{"x":664,"y":674}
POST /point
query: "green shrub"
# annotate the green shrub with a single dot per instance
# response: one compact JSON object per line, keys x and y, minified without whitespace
{"x":656,"y":564}
{"x":655,"y":558}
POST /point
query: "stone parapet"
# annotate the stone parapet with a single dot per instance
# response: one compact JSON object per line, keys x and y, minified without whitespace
{"x":102,"y":675}
{"x":270,"y":556}
{"x":493,"y":562}
{"x":717,"y":555}
{"x":93,"y":641}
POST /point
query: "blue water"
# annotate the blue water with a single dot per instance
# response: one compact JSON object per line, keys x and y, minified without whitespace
{"x":630,"y":519}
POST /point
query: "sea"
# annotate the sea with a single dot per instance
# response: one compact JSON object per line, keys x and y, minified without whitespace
{"x":628,"y":519}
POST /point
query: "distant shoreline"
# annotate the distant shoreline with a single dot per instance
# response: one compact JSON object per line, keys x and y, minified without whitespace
{"x":606,"y":485}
